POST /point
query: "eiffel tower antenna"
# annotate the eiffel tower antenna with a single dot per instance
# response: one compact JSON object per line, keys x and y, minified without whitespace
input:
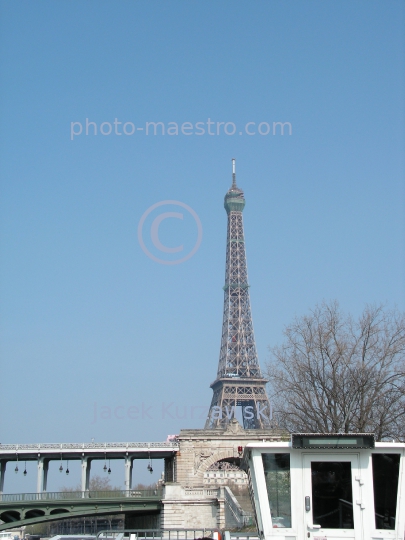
{"x":239,"y":381}
{"x":233,"y":173}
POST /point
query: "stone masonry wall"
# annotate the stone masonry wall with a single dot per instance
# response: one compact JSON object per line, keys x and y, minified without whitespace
{"x":200,"y":448}
{"x":187,"y":504}
{"x":182,"y":510}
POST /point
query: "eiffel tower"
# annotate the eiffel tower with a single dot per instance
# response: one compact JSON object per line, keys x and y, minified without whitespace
{"x":239,"y":381}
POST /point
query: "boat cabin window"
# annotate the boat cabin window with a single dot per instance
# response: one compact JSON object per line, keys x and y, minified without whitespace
{"x":332,"y":497}
{"x":385,"y":483}
{"x":278,"y":484}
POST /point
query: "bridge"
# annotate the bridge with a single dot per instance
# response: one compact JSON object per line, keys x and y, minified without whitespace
{"x":190,"y":497}
{"x":44,"y":453}
{"x":30,"y":508}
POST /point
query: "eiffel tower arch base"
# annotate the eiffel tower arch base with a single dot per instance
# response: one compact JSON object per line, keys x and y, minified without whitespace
{"x":248,"y":396}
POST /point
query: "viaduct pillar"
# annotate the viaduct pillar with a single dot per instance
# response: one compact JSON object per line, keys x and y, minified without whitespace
{"x":42,"y":478}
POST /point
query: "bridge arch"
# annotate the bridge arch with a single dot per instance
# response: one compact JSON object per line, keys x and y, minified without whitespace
{"x":10,"y":515}
{"x":34,"y":513}
{"x":59,"y":511}
{"x":223,"y":455}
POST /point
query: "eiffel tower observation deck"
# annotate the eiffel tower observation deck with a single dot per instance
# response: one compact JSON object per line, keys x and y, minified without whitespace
{"x":239,"y":382}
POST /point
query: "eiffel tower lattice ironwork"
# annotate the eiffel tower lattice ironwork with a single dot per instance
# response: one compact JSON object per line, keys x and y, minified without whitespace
{"x":239,"y":381}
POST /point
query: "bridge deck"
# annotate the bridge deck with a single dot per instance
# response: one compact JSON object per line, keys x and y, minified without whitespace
{"x":141,"y":450}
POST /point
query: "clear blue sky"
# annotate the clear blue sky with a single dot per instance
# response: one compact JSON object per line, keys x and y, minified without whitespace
{"x":87,"y":319}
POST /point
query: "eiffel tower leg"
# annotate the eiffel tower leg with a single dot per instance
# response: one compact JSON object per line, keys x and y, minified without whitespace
{"x":256,"y":414}
{"x":222,"y":411}
{"x":211,"y":422}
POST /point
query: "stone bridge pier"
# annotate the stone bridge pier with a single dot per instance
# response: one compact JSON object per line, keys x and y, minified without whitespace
{"x":191,"y":500}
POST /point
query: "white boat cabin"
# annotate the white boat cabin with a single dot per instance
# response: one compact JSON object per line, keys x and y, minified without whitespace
{"x":333,"y":486}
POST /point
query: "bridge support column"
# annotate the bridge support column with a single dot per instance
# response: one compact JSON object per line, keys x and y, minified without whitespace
{"x":86,"y":466}
{"x":42,"y":478}
{"x":3,"y":464}
{"x":128,"y":473}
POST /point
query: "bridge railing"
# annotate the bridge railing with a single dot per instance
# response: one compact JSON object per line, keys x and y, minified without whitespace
{"x":74,"y":495}
{"x":158,"y":534}
{"x":86,"y":446}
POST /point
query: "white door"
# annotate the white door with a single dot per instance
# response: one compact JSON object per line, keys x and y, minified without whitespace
{"x":332,"y":496}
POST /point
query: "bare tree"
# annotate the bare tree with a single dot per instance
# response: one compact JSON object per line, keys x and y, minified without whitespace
{"x":337,"y":375}
{"x":97,"y":483}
